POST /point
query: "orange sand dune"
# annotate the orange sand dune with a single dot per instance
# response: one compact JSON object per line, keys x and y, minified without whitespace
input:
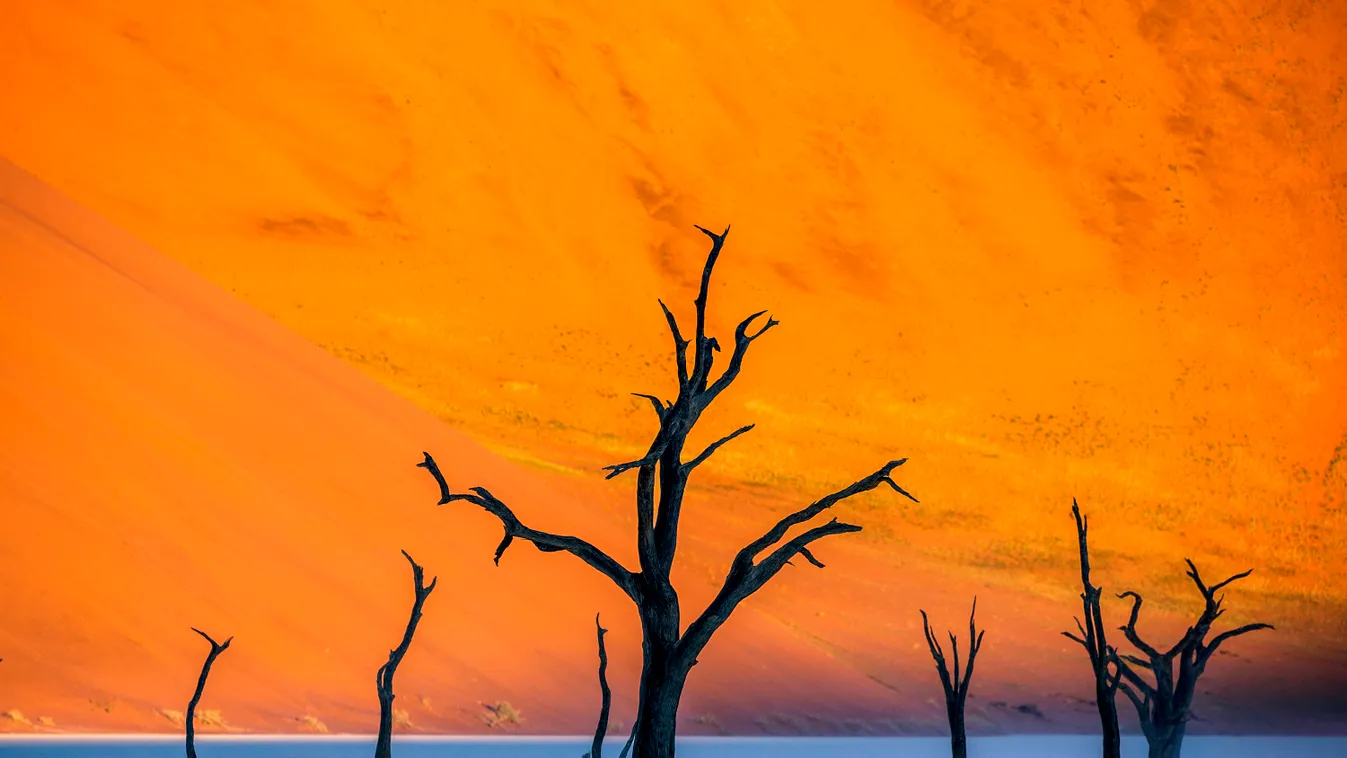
{"x":1044,"y":249}
{"x":174,"y":459}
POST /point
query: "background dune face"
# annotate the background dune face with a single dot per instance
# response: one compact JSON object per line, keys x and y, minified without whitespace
{"x":1043,"y":249}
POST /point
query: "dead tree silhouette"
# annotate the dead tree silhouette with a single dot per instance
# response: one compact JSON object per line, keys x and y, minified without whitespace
{"x":215,"y":649}
{"x":670,"y":650}
{"x":956,"y":689}
{"x":596,"y":749}
{"x":383,"y":679}
{"x":1165,"y":705}
{"x":1095,"y":642}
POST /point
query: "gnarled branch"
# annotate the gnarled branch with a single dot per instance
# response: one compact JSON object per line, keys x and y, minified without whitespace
{"x":544,"y":541}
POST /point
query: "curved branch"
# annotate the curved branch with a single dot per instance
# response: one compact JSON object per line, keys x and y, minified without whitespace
{"x":744,"y":579}
{"x":937,"y":653}
{"x":710,"y":450}
{"x":1210,"y":647}
{"x":1133,"y":678}
{"x":702,"y":352}
{"x":974,"y":645}
{"x":742,"y":339}
{"x":776,"y":533}
{"x":1130,"y":629}
{"x":680,"y":347}
{"x":544,"y":541}
{"x":660,"y":408}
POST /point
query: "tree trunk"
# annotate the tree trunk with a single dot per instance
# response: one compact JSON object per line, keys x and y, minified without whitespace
{"x":1108,"y":718}
{"x":1166,"y":741}
{"x":662,"y":681}
{"x":958,"y":736}
{"x":383,"y":747}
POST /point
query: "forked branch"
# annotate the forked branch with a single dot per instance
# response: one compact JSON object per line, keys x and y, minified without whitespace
{"x":747,"y":574}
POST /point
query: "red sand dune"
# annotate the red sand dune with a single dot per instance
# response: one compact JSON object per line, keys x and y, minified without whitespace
{"x":1044,"y":249}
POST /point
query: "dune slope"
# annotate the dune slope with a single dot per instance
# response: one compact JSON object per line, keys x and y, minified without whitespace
{"x":173,"y":458}
{"x":1045,"y":249}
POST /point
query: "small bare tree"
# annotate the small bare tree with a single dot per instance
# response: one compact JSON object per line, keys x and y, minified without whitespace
{"x":383,"y":679}
{"x":1092,"y":638}
{"x":956,"y":689}
{"x":596,"y":749}
{"x":1164,"y":706}
{"x":215,"y":649}
{"x":670,"y":650}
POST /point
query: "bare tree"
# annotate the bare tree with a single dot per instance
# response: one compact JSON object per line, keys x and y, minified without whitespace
{"x":596,"y":749}
{"x":956,"y":689}
{"x":1095,"y":642}
{"x":383,"y":679}
{"x":670,"y":650}
{"x":1164,"y":706}
{"x":215,"y":649}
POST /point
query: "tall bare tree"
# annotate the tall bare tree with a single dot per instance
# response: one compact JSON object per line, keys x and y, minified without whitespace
{"x":670,"y":650}
{"x":1164,"y":705}
{"x":383,"y":679}
{"x":1093,"y":639}
{"x":956,"y":688}
{"x":215,"y":649}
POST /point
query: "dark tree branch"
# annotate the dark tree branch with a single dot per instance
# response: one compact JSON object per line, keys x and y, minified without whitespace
{"x":544,"y":541}
{"x":660,"y":408}
{"x":1129,"y":630}
{"x":215,"y":649}
{"x":937,"y":653}
{"x":680,"y":348}
{"x":1223,"y":636}
{"x":383,"y":678}
{"x":742,"y":339}
{"x":428,"y":463}
{"x":702,"y":367}
{"x":774,"y":535}
{"x":710,"y":450}
{"x":747,"y":575}
{"x":808,"y":556}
